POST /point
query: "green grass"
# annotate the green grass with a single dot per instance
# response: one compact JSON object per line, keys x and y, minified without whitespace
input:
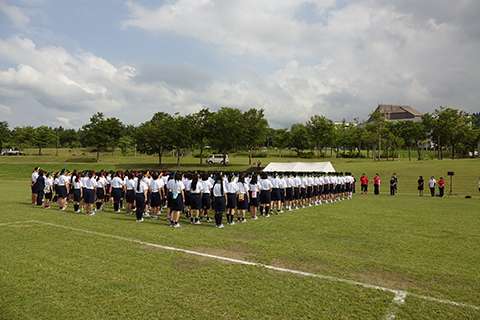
{"x":424,"y":246}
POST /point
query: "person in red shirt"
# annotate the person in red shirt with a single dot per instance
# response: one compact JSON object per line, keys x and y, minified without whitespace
{"x":364,"y":183}
{"x":441,"y":186}
{"x":376,"y":184}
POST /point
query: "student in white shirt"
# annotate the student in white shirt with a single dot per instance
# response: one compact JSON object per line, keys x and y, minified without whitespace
{"x":178,"y":196}
{"x":63,"y":188}
{"x":265,"y":194}
{"x":242,"y":197}
{"x":140,"y":191}
{"x":231,"y":190}
{"x":89,"y":195}
{"x":220,"y":201}
{"x":254,"y":197}
{"x":432,"y":183}
{"x":130,"y":194}
{"x":196,"y":189}
{"x":77,"y":192}
{"x":32,"y":184}
{"x":206,"y":197}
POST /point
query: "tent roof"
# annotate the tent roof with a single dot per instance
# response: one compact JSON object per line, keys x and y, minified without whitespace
{"x":299,"y":167}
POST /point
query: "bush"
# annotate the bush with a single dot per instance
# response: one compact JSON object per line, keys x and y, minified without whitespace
{"x":307,"y":155}
{"x":259,"y":154}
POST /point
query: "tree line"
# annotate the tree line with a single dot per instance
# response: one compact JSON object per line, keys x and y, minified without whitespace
{"x":228,"y":129}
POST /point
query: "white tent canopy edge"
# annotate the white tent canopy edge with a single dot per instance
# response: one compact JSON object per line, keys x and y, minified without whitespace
{"x":299,"y":167}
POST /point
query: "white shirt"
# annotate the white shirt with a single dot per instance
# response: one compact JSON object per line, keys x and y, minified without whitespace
{"x":265,"y":184}
{"x":131,"y":184}
{"x":432,"y":183}
{"x":206,"y":186}
{"x":217,"y":190}
{"x":90,"y":183}
{"x":231,"y":187}
{"x":116,"y":182}
{"x":143,"y":186}
{"x":177,"y":186}
{"x":62,"y":180}
{"x":34,"y":177}
{"x":198,"y":187}
{"x":242,"y":187}
{"x":254,"y":187}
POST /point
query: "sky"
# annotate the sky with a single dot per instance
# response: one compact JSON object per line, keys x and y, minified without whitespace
{"x":63,"y":61}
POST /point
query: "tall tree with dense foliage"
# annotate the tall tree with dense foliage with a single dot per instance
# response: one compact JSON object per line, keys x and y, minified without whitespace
{"x":43,"y":137}
{"x":22,"y":137}
{"x":102,"y":133}
{"x":282,"y":140}
{"x":201,"y":124}
{"x":255,"y":128}
{"x":4,"y":133}
{"x":226,"y":129}
{"x":299,"y":137}
{"x":153,"y":136}
{"x":321,"y":130}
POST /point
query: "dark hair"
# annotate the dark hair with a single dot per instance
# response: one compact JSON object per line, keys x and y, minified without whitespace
{"x":140,"y":177}
{"x":194,"y":182}
{"x":241,"y":177}
{"x":254,"y":179}
{"x":220,"y":180}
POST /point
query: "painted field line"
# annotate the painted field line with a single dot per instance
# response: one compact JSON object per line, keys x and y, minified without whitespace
{"x":399,"y":294}
{"x":6,"y":224}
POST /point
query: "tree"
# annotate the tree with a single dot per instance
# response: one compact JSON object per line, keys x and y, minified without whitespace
{"x":102,"y":133}
{"x":152,"y":137}
{"x":68,"y":138}
{"x":125,"y":143}
{"x":180,"y":133}
{"x":282,"y":139}
{"x":255,"y":128}
{"x":4,"y":133}
{"x":226,"y":129}
{"x":376,"y":127}
{"x":22,"y":136}
{"x":43,"y":137}
{"x":321,"y":130}
{"x":201,"y":124}
{"x":299,"y":137}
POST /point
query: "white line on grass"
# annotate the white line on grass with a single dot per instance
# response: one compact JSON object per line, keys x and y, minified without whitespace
{"x":396,"y":303}
{"x":398,"y":300}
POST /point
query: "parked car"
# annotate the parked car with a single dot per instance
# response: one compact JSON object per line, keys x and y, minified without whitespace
{"x":216,"y":158}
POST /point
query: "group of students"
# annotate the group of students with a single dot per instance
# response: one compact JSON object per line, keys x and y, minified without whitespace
{"x":432,"y":183}
{"x":191,"y":193}
{"x":393,"y":183}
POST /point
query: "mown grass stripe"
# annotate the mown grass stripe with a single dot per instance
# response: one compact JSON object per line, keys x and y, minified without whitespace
{"x":398,"y":300}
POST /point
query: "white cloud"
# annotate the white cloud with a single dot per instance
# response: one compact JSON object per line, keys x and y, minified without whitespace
{"x":5,"y":110}
{"x":19,"y":19}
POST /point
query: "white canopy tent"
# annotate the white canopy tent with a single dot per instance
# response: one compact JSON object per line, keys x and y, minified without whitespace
{"x":299,"y":167}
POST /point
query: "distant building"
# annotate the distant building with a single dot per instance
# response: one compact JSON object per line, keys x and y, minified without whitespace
{"x":397,"y":112}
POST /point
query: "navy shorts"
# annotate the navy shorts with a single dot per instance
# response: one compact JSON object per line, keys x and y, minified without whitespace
{"x":309,"y":192}
{"x":289,"y":195}
{"x":89,"y":196}
{"x":100,"y":194}
{"x":265,"y":197}
{"x":206,"y":201}
{"x":296,"y":193}
{"x":62,"y":191}
{"x":275,"y":195}
{"x":220,"y":204}
{"x":195,"y":201}
{"x":254,"y":201}
{"x":130,"y":196}
{"x":155,"y":199}
{"x":117,"y":194}
{"x":177,"y":204}
{"x":232,"y":201}
{"x":303,"y":193}
{"x":188,"y":198}
{"x":242,"y":205}
{"x":77,"y":197}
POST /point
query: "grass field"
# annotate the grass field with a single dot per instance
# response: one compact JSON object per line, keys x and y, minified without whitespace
{"x":372,"y":257}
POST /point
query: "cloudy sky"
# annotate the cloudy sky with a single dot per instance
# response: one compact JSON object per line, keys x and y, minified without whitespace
{"x":62,"y":61}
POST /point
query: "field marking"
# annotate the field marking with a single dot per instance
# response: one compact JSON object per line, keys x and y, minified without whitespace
{"x":397,"y":301}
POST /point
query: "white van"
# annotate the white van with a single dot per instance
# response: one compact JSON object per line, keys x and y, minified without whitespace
{"x":216,"y":158}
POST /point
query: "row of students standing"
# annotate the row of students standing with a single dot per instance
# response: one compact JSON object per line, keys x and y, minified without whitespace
{"x":192,"y":193}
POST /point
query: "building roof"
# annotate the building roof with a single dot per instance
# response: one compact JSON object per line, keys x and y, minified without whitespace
{"x":397,"y":112}
{"x":299,"y":167}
